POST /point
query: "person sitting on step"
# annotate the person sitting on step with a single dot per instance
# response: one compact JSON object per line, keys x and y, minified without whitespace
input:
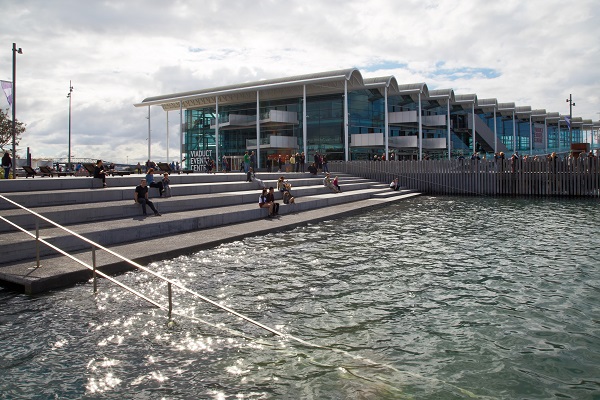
{"x":151,"y":183}
{"x":395,"y":185}
{"x":141,"y":196}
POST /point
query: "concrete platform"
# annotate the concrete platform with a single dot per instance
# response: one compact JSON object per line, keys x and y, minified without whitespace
{"x":177,"y":231}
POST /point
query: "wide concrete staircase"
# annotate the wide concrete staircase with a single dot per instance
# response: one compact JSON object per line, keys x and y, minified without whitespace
{"x":110,"y":217}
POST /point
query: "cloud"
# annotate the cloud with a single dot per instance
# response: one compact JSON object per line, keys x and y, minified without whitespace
{"x":117,"y":53}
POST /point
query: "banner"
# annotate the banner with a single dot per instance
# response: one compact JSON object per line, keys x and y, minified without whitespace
{"x":7,"y":88}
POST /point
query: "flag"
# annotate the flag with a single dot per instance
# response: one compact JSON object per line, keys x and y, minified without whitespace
{"x":7,"y":88}
{"x":568,"y":121}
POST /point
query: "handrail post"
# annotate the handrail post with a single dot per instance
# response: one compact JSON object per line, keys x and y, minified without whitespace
{"x":170,"y":299}
{"x":37,"y":242}
{"x":94,"y":269}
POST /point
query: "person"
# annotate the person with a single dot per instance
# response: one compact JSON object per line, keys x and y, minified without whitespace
{"x":166,"y":184}
{"x":302,"y":161}
{"x":283,"y":185}
{"x":271,"y":198}
{"x":251,"y":177}
{"x":327,"y":183}
{"x":100,"y":172}
{"x":280,"y":162}
{"x":298,"y":162}
{"x":138,"y":168}
{"x":336,"y":183}
{"x":252,"y":160}
{"x":151,"y":183}
{"x":325,"y":167}
{"x":312,"y":168}
{"x":292,"y":161}
{"x":288,"y":198}
{"x":246,"y":162}
{"x":6,"y":164}
{"x":224,"y":164}
{"x":141,"y":196}
{"x":395,"y":185}
{"x":263,"y":203}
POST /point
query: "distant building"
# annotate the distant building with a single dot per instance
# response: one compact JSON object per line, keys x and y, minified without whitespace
{"x":348,"y":117}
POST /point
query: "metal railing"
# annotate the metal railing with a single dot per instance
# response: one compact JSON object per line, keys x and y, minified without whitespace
{"x":95,"y":272}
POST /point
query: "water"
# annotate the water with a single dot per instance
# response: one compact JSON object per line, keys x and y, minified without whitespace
{"x":431,"y":298}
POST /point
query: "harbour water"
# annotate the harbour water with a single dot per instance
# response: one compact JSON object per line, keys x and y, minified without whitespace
{"x":429,"y":298}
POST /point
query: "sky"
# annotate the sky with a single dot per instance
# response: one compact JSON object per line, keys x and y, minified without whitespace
{"x":116,"y":53}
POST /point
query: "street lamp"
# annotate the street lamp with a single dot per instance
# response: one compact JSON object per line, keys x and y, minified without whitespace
{"x":14,"y":103}
{"x":69,"y":97}
{"x":571,"y":104}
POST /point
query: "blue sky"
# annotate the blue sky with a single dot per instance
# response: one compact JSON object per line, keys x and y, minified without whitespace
{"x":117,"y":53}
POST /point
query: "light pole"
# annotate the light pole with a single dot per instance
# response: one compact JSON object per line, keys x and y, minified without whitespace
{"x":571,"y":104}
{"x":69,"y":97}
{"x":14,"y":106}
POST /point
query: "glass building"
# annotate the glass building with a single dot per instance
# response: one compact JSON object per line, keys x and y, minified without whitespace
{"x":347,"y":117}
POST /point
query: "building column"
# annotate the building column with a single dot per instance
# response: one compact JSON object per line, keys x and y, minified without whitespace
{"x":448,"y":127}
{"x":217,"y":163}
{"x":346,"y":144}
{"x":514,"y":132}
{"x":546,"y":135}
{"x":387,"y":131}
{"x":473,"y":121}
{"x":420,"y":131}
{"x":180,"y":135}
{"x":149,"y":137}
{"x":257,"y":129}
{"x":558,"y":134}
{"x":495,"y":133}
{"x":304,"y":127}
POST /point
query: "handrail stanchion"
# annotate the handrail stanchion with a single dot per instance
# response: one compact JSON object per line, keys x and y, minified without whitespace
{"x":170,"y":299}
{"x":37,"y":242}
{"x":94,"y":269}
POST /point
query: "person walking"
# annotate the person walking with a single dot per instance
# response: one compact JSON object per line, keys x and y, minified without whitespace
{"x":6,"y":164}
{"x":141,"y":196}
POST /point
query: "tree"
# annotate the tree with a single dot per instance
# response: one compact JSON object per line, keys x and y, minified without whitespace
{"x":6,"y":130}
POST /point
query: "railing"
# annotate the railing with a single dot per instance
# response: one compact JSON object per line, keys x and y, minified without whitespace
{"x":521,"y":177}
{"x":95,"y":272}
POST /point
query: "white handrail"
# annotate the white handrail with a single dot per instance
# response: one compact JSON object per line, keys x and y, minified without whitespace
{"x":138,"y":266}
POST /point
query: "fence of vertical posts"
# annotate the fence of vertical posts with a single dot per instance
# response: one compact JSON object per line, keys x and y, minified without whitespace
{"x":520,"y":177}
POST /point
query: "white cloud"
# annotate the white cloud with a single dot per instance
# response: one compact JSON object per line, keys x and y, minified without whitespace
{"x":119,"y":52}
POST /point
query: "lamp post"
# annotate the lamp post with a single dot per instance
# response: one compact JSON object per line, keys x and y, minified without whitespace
{"x":69,"y":97}
{"x":14,"y":102}
{"x":571,"y":104}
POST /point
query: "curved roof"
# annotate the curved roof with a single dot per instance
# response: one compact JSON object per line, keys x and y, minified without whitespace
{"x":270,"y":89}
{"x":538,"y":115}
{"x":466,"y":101}
{"x":381,"y":82}
{"x":487,"y":105}
{"x":442,"y":96}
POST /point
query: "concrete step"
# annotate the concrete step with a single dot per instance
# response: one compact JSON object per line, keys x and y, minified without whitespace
{"x":223,"y":194}
{"x":18,"y":246}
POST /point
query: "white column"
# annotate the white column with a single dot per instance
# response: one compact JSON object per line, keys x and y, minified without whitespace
{"x":420,"y":131}
{"x":181,"y":135}
{"x":473,"y":121}
{"x":346,"y":145}
{"x":495,"y":133}
{"x":167,"y":136}
{"x":217,"y":161}
{"x":514,"y":132}
{"x":257,"y":129}
{"x":448,"y":127}
{"x":149,"y":138}
{"x":387,"y":131}
{"x":304,"y":127}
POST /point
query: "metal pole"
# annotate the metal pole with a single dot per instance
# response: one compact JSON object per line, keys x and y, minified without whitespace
{"x":70,"y":96}
{"x":514,"y":132}
{"x":495,"y":133}
{"x":530,"y":137}
{"x":473,"y":120}
{"x":257,"y":128}
{"x":420,"y":131}
{"x":217,"y":163}
{"x":570,"y":119}
{"x":37,"y":242}
{"x":94,"y":269}
{"x":170,"y":299}
{"x":181,"y":135}
{"x":14,"y":107}
{"x":387,"y":130}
